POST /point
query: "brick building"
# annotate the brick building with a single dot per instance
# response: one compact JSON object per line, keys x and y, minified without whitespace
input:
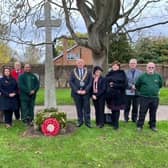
{"x":69,"y":56}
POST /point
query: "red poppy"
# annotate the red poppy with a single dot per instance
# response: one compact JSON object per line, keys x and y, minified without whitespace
{"x":50,"y":127}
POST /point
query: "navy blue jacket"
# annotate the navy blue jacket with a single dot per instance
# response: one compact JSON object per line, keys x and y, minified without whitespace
{"x":7,"y":86}
{"x":75,"y":82}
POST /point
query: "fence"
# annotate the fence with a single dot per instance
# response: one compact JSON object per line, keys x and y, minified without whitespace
{"x":62,"y":73}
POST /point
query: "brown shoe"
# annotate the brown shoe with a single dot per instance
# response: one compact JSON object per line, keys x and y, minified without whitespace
{"x":7,"y":125}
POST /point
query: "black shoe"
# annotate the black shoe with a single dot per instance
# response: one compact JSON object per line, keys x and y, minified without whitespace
{"x":134,"y":121}
{"x":101,"y":126}
{"x":88,"y":125}
{"x":154,"y":129}
{"x":115,"y":128}
{"x":79,"y":124}
{"x":31,"y":124}
{"x":126,"y":119}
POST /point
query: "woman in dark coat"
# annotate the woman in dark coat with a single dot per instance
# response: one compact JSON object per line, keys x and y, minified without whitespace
{"x":8,"y":89}
{"x":98,"y":95}
{"x":115,"y":93}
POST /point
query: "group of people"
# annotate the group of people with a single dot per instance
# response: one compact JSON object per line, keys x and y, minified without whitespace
{"x":119,"y":90}
{"x":126,"y":90}
{"x":18,"y":88}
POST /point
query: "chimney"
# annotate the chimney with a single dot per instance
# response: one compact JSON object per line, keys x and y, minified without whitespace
{"x":65,"y":46}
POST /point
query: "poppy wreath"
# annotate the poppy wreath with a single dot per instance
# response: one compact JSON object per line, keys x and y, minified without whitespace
{"x":50,"y":127}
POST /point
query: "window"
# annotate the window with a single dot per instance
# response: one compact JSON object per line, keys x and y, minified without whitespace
{"x":73,"y":56}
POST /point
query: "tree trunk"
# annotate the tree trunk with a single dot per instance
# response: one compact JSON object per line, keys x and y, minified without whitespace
{"x":100,"y":59}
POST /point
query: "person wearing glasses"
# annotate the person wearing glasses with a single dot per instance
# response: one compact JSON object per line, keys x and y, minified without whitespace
{"x":148,"y":85}
{"x":131,"y":93}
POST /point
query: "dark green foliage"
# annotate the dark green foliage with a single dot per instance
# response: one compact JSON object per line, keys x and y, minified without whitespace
{"x":120,"y":49}
{"x":152,"y":49}
{"x":51,"y":113}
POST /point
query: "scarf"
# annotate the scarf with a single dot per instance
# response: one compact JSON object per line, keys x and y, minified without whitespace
{"x":95,"y":84}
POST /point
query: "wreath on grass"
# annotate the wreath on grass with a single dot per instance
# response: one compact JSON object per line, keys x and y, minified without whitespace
{"x":50,"y":127}
{"x":50,"y":121}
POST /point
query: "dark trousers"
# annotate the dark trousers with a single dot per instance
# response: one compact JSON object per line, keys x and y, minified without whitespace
{"x":115,"y":118}
{"x":8,"y":116}
{"x":134,"y":102}
{"x":146,"y":104}
{"x":1,"y":116}
{"x":83,"y":108}
{"x":99,"y":106}
{"x":17,"y":111}
{"x":17,"y":114}
{"x":27,"y":109}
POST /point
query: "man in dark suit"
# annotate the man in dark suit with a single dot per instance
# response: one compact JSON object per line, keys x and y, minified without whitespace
{"x":81,"y":83}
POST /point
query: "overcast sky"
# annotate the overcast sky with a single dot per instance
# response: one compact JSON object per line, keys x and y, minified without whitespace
{"x":149,"y":17}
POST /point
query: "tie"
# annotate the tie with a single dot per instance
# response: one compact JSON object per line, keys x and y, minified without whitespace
{"x":81,"y":73}
{"x":133,"y":73}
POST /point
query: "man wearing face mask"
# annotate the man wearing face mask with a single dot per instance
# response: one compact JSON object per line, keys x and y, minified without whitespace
{"x":149,"y":85}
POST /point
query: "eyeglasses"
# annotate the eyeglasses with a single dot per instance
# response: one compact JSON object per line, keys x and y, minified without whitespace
{"x":151,"y":67}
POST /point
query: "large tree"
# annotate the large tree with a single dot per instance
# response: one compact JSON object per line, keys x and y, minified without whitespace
{"x":104,"y":18}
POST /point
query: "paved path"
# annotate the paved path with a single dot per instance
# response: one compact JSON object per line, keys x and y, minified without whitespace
{"x":162,"y":113}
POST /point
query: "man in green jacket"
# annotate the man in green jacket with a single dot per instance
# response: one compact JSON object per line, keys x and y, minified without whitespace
{"x":28,"y":86}
{"x":149,"y":84}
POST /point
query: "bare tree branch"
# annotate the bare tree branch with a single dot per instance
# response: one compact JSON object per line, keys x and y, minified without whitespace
{"x":68,"y":24}
{"x":148,"y":26}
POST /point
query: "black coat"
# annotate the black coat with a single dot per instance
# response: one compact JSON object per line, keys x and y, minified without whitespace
{"x":115,"y":93}
{"x":75,"y":82}
{"x":7,"y":86}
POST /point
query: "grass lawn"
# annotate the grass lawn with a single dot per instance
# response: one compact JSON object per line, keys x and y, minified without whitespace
{"x":64,"y":97}
{"x":164,"y":96}
{"x":86,"y":148}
